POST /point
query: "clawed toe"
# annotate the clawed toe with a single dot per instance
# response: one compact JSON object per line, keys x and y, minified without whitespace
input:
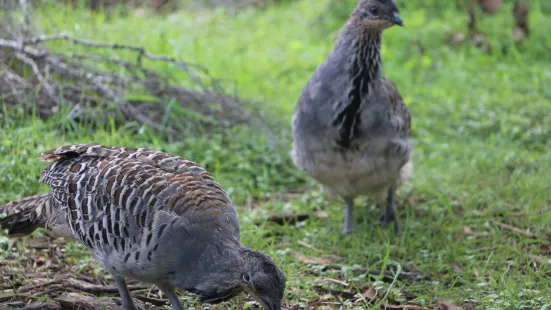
{"x":347,"y":232}
{"x":388,"y":216}
{"x":389,"y":213}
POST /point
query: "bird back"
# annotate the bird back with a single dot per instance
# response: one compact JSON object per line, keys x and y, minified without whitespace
{"x":124,"y":199}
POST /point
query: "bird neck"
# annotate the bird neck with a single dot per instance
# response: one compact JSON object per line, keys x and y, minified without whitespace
{"x":366,"y":55}
{"x":361,"y":48}
{"x":216,"y":275}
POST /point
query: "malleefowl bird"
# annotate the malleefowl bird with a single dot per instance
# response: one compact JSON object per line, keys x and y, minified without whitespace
{"x":149,"y":216}
{"x":351,"y":128}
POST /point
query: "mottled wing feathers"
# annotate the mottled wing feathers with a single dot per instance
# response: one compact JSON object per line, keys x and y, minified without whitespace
{"x":152,"y":167}
{"x":111,"y":195}
{"x":23,"y":216}
{"x":399,"y":108}
{"x":24,"y":204}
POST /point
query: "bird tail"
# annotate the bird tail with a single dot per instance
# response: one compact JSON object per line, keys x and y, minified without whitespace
{"x":23,"y":216}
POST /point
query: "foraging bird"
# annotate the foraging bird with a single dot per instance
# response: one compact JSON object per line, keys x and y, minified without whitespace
{"x":149,"y":216}
{"x":351,"y":128}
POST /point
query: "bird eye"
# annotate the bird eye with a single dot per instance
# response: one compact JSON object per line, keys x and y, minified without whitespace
{"x":246,"y":277}
{"x":373,"y":10}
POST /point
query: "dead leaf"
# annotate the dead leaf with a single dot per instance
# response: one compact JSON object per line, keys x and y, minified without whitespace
{"x":309,"y":246}
{"x":403,"y":307}
{"x":491,"y":6}
{"x":337,"y":281}
{"x":457,"y":268}
{"x":516,"y":230}
{"x":468,"y":305}
{"x":312,"y":260}
{"x":322,"y":214}
{"x":540,"y":260}
{"x":517,"y":214}
{"x":518,"y":34}
{"x":475,"y":272}
{"x":545,"y":249}
{"x":444,"y":305}
{"x":468,"y":231}
{"x":370,"y":293}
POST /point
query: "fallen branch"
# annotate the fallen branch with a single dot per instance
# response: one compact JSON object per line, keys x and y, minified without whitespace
{"x":153,"y":301}
{"x":25,"y":289}
{"x":43,"y":306}
{"x":90,"y":82}
{"x":97,"y":289}
{"x":343,"y":294}
{"x":139,"y":49}
{"x":78,"y":285}
{"x":77,"y":301}
{"x":517,"y":230}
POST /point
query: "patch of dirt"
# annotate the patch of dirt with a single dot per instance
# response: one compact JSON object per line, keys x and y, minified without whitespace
{"x":40,"y":277}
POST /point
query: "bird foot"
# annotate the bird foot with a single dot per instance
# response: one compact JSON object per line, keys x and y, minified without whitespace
{"x":388,"y":216}
{"x":347,"y":231}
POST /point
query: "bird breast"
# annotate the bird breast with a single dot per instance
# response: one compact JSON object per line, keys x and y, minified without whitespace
{"x":351,"y":172}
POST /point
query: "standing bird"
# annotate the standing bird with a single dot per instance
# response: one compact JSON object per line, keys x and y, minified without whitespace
{"x":149,"y":216}
{"x":351,"y":128}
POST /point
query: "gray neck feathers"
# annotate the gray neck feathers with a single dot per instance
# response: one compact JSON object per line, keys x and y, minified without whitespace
{"x":216,"y":272}
{"x":364,"y":69}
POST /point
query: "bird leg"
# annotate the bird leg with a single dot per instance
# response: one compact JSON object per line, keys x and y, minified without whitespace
{"x":348,"y":216}
{"x":172,"y":297}
{"x":472,"y":17}
{"x":126,"y":299}
{"x":389,"y":213}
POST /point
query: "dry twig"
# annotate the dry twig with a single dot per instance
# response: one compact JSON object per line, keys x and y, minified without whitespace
{"x":86,"y":82}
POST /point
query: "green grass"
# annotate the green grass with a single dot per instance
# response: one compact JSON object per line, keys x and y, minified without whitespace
{"x":481,"y":123}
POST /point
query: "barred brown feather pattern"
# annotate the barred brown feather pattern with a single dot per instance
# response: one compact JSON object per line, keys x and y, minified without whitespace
{"x":25,"y":215}
{"x":150,"y":216}
{"x":24,"y":204}
{"x":110,"y":196}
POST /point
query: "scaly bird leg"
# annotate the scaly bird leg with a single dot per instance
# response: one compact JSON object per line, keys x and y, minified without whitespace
{"x":348,"y":216}
{"x":172,"y":297}
{"x":389,"y":213}
{"x":126,"y":299}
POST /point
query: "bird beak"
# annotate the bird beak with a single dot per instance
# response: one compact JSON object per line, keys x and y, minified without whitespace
{"x":396,"y":19}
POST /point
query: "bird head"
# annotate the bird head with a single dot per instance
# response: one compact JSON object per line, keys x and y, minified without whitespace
{"x":263,"y":280}
{"x":378,"y":14}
